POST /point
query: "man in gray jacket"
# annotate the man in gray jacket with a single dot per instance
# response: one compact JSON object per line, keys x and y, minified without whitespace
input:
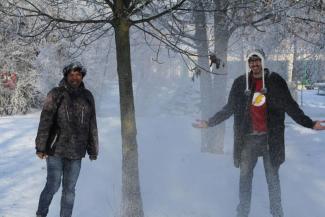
{"x":67,"y":130}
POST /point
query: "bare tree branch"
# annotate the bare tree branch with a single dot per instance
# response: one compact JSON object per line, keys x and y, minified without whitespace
{"x":159,"y":14}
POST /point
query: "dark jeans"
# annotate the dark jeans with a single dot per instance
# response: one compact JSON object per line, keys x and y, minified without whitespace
{"x":254,"y":147}
{"x":58,"y":167}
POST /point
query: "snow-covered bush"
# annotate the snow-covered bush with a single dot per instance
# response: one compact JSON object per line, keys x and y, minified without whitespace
{"x":17,"y":57}
{"x":25,"y":95}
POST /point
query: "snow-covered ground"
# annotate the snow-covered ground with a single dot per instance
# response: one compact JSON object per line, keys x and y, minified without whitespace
{"x":177,"y":180}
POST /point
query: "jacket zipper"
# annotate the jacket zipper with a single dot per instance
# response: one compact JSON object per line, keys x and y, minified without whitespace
{"x":267,"y":142}
{"x":66,"y":109}
{"x":267,"y":115}
{"x":82,"y":115}
{"x":54,"y":140}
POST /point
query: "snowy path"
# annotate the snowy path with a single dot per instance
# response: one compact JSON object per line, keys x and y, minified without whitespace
{"x":176,"y":179}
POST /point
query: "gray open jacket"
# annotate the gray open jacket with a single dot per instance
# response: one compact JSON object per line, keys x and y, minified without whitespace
{"x":68,"y":126}
{"x":278,"y":102}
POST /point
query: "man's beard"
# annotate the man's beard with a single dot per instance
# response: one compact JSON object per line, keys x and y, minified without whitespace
{"x":257,"y":74}
{"x":74,"y":84}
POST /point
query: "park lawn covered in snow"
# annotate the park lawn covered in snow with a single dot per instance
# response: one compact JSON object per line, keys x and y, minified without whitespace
{"x":177,"y":180}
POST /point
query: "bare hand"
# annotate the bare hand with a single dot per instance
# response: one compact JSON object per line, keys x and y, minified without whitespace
{"x":93,"y":157}
{"x":41,"y":155}
{"x":200,"y":124}
{"x":319,"y":126}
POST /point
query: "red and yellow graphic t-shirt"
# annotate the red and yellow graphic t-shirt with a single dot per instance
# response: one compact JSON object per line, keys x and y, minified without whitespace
{"x":258,"y":108}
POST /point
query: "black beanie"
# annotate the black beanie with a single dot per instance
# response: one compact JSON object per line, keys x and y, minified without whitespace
{"x":74,"y":66}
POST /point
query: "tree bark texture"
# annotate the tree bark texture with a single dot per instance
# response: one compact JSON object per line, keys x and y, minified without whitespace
{"x":131,"y":194}
{"x":219,"y":83}
{"x":203,"y":64}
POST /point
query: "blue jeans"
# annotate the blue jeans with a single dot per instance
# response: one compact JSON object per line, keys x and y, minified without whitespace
{"x":58,"y":167}
{"x":254,"y":147}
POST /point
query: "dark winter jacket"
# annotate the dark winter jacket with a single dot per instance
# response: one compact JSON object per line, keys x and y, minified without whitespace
{"x":278,"y":102}
{"x":68,"y":125}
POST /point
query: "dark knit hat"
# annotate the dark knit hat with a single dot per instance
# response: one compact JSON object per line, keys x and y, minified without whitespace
{"x":74,"y":66}
{"x":254,"y":57}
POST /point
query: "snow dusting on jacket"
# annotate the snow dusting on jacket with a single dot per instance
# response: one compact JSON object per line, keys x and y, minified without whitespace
{"x":68,"y":126}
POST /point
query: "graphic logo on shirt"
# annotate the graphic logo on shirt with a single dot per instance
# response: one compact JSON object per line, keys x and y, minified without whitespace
{"x":258,"y":99}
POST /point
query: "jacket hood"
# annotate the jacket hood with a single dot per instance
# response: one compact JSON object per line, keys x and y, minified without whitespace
{"x":261,"y":55}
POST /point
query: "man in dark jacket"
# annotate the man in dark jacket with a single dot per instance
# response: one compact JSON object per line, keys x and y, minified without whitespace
{"x":67,"y":130}
{"x":259,"y":102}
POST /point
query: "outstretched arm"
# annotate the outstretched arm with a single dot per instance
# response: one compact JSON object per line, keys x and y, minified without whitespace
{"x":294,"y":111}
{"x":221,"y":115}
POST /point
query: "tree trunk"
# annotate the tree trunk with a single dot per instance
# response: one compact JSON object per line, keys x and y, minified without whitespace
{"x":131,"y":195}
{"x":295,"y":73}
{"x":203,"y":63}
{"x":219,"y":91}
{"x":218,"y":100}
{"x":292,"y":69}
